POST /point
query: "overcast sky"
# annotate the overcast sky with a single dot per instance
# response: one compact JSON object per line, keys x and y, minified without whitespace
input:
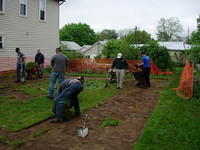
{"x":123,"y":14}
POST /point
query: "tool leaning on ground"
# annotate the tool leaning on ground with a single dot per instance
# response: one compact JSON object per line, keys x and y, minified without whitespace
{"x":22,"y":74}
{"x":107,"y":75}
{"x":83,"y":132}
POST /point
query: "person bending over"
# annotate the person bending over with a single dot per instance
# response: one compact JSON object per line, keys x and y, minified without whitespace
{"x":68,"y":91}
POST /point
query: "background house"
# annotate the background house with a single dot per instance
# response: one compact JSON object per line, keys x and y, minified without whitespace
{"x":29,"y":25}
{"x":70,"y":45}
{"x":84,"y":48}
{"x":94,"y":50}
{"x":176,"y":49}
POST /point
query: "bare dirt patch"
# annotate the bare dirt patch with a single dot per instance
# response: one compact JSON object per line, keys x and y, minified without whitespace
{"x":132,"y":105}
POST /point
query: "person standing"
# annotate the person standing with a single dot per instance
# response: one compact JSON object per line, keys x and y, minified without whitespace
{"x":20,"y":68}
{"x":68,"y":90}
{"x":59,"y":64}
{"x":39,"y":60}
{"x":120,"y":65}
{"x":146,"y":65}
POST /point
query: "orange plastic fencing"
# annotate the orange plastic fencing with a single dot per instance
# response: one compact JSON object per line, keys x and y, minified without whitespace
{"x":100,"y":65}
{"x":185,"y":88}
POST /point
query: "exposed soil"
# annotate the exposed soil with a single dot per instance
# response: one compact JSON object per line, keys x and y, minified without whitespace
{"x":132,"y":105}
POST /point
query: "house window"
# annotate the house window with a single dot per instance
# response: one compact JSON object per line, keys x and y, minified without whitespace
{"x":1,"y":42}
{"x":42,"y":10}
{"x":23,"y":7}
{"x":87,"y":56}
{"x":2,"y":5}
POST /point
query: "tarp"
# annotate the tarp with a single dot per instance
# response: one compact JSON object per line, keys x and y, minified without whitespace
{"x":185,"y":88}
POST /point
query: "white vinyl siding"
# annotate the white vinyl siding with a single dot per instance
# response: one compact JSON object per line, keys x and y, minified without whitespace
{"x":29,"y":33}
{"x":22,"y":7}
{"x":2,"y":6}
{"x":1,"y":42}
{"x":42,"y":10}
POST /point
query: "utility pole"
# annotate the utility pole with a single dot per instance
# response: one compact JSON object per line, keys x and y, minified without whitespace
{"x":136,"y":35}
{"x":188,"y":34}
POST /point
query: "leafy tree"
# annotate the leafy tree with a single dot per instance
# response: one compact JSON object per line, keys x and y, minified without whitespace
{"x":159,"y":55}
{"x":195,"y":37}
{"x":71,"y":54}
{"x":168,"y":29}
{"x":107,"y":34}
{"x":79,"y":33}
{"x":138,"y":37}
{"x":193,"y":55}
{"x":113,"y":47}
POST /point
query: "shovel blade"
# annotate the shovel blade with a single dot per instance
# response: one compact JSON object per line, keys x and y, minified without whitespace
{"x":82,"y":132}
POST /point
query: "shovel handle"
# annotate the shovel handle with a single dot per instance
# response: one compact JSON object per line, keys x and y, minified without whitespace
{"x":85,"y":121}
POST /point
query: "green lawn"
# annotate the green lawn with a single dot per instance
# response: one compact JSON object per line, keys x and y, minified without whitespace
{"x":17,"y":114}
{"x":174,"y":124}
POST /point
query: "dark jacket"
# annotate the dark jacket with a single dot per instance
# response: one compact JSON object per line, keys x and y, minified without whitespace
{"x":120,"y":63}
{"x":39,"y":58}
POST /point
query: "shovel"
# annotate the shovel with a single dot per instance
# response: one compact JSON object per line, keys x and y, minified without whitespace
{"x":83,"y":132}
{"x":22,"y":74}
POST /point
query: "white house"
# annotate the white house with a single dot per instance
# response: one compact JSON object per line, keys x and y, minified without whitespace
{"x":70,"y":45}
{"x":29,"y":25}
{"x":94,"y":50}
{"x":175,"y":48}
{"x":84,"y":48}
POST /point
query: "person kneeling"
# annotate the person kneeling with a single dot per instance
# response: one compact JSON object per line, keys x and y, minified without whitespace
{"x":68,"y":90}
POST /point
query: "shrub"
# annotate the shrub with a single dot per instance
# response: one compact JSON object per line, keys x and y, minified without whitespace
{"x":113,"y":47}
{"x":72,"y":54}
{"x":30,"y":66}
{"x":159,"y":55}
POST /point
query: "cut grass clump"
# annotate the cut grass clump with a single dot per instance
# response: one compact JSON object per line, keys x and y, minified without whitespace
{"x":16,"y":144}
{"x":109,"y":122}
{"x":3,"y":140}
{"x":40,"y":133}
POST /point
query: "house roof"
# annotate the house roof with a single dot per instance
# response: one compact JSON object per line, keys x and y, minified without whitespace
{"x":169,"y":45}
{"x":175,"y":45}
{"x":71,"y":45}
{"x":85,"y":47}
{"x":99,"y":42}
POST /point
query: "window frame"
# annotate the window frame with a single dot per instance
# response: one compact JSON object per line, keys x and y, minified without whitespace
{"x":45,"y":11}
{"x":2,"y":42}
{"x":3,"y":7}
{"x":26,"y":11}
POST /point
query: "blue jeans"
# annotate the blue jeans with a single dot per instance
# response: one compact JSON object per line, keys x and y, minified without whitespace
{"x":18,"y":71}
{"x":69,"y":93}
{"x":53,"y":78}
